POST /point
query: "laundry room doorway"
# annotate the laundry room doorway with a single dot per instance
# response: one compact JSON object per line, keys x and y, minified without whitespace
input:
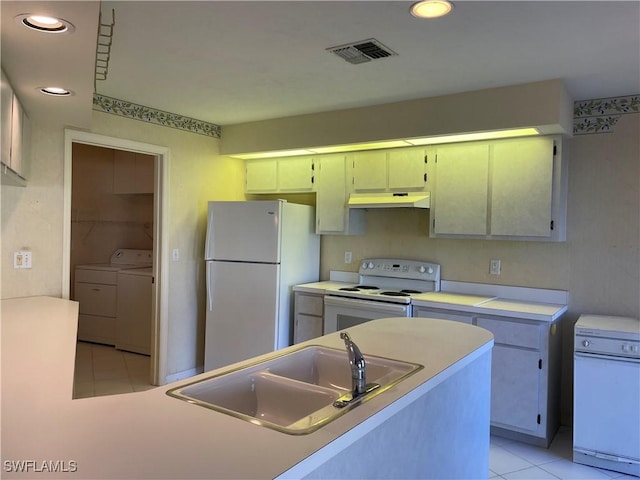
{"x":115,"y":199}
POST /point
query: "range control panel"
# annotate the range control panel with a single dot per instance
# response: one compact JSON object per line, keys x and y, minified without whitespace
{"x":406,"y":269}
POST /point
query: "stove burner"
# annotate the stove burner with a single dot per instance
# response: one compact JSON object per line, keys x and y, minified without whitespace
{"x":357,"y":288}
{"x":395,"y":294}
{"x":410,"y":291}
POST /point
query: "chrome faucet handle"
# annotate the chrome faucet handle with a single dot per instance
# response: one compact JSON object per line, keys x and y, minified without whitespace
{"x":358,"y":365}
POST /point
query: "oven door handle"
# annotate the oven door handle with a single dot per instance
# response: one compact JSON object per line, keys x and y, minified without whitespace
{"x":364,"y":304}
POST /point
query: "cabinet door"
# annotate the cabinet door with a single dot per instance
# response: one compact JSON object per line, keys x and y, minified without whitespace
{"x":369,"y":171}
{"x":16,"y":136}
{"x":515,"y":387}
{"x":295,"y":174}
{"x":262,"y":175}
{"x":462,"y":175}
{"x":6,"y":103}
{"x":307,"y":327}
{"x":331,"y":209}
{"x":522,"y":171}
{"x":132,"y":172}
{"x":407,"y":169}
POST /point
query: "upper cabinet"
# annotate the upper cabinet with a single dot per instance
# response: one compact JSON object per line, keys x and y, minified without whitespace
{"x":396,"y":170}
{"x":511,"y":189}
{"x":132,"y":172}
{"x":462,"y":176}
{"x":16,"y":137}
{"x":501,"y":189}
{"x":280,"y":175}
{"x":333,"y":217}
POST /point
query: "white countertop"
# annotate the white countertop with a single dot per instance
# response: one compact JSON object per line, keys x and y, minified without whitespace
{"x":151,"y":435}
{"x":497,"y":300}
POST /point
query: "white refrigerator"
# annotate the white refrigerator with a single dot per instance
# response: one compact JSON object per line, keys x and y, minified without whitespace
{"x":255,"y":252}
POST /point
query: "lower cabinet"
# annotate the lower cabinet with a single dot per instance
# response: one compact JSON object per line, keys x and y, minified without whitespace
{"x":525,"y":373}
{"x":308,"y":316}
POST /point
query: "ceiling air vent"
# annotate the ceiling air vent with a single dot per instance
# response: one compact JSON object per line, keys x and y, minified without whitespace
{"x":362,"y":51}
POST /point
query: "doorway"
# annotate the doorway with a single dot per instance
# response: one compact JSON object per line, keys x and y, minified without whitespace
{"x":154,"y":229}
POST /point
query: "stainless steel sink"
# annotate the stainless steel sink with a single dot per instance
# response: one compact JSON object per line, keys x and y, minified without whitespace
{"x":293,"y":393}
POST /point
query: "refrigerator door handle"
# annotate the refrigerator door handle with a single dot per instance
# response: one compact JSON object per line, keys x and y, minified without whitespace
{"x":209,"y":286}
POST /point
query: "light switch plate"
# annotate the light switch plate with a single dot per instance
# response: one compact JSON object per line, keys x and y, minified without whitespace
{"x":22,"y":259}
{"x":494,"y":267}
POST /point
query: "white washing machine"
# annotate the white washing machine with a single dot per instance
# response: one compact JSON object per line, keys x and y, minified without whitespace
{"x":96,"y":290}
{"x":135,"y":310}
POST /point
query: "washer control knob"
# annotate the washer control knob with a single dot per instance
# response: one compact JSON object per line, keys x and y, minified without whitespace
{"x":364,"y":265}
{"x":422,"y":269}
{"x":371,"y":265}
{"x":430,"y":270}
{"x":586,"y":343}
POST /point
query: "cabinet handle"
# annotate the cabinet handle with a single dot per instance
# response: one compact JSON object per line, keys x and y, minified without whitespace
{"x":95,"y":289}
{"x":425,"y":178}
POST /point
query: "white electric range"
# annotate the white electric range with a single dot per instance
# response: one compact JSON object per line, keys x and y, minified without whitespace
{"x":385,"y":289}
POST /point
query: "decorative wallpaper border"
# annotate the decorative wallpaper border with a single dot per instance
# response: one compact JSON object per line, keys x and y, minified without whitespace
{"x":102,"y":103}
{"x":601,"y":115}
{"x":589,"y":116}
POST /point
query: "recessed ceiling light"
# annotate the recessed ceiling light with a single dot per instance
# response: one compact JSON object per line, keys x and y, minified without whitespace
{"x":431,"y":8}
{"x":56,"y":91}
{"x":43,"y":23}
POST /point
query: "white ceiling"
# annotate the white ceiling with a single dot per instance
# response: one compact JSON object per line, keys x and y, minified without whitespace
{"x":239,"y":61}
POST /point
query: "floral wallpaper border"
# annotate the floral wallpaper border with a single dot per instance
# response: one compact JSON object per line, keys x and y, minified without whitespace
{"x":589,"y":116}
{"x":102,"y":103}
{"x":600,"y":115}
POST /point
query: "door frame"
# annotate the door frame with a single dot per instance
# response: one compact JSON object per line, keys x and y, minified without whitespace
{"x":159,"y":340}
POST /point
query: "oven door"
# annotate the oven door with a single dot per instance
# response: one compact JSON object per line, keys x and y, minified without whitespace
{"x":341,"y":313}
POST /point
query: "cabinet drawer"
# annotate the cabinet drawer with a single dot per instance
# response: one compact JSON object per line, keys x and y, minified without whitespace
{"x":309,"y":304}
{"x":456,"y":317}
{"x":512,"y":333}
{"x":96,"y":276}
{"x":96,"y":299}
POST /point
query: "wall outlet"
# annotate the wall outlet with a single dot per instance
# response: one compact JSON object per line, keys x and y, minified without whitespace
{"x":22,"y":259}
{"x":347,"y":257}
{"x":176,"y":254}
{"x":494,"y":267}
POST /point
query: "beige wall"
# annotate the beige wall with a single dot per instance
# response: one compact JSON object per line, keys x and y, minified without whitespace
{"x":32,"y":218}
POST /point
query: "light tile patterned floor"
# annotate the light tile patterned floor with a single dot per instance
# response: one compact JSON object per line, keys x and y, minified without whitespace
{"x":513,"y":460}
{"x":103,"y":370}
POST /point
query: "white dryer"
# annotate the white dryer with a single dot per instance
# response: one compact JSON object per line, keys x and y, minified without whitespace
{"x":134,"y":313}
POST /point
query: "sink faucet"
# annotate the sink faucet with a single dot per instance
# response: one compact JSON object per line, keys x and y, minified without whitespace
{"x":356,"y":360}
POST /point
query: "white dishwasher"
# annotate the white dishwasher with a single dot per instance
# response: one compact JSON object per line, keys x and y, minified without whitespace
{"x":606,"y":397}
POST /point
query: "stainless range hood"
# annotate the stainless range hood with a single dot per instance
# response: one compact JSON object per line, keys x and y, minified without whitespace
{"x":390,"y":200}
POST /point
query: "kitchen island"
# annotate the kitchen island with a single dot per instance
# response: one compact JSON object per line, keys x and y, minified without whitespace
{"x":434,"y":423}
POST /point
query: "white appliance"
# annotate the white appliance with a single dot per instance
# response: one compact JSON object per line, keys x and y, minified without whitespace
{"x":96,"y":290}
{"x":385,"y":289}
{"x":255,"y":253}
{"x":135,"y":310}
{"x":606,"y":406}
